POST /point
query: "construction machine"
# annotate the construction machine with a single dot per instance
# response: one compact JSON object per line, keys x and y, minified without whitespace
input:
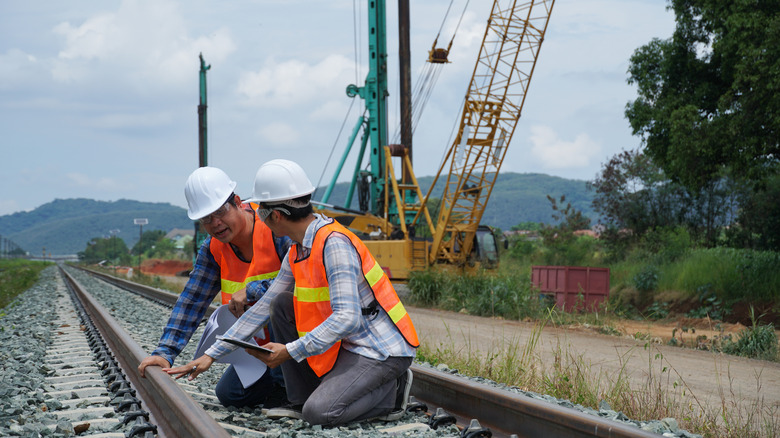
{"x":394,"y":219}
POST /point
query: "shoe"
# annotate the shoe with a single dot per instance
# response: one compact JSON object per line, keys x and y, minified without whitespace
{"x":401,"y":398}
{"x":287,"y":411}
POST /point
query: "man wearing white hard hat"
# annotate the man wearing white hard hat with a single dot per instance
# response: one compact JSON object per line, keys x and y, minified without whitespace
{"x":333,"y":311}
{"x":238,"y":260}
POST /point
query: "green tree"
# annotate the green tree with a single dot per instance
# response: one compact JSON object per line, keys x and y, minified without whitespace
{"x":708,"y":96}
{"x":113,"y":250}
{"x":758,"y":223}
{"x":562,"y":245}
{"x":633,"y":194}
{"x":162,"y":249}
{"x":149,"y":240}
{"x":527,"y":226}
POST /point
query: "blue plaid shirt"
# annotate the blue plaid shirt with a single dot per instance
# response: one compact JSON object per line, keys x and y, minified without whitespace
{"x":375,"y":337}
{"x":201,"y":289}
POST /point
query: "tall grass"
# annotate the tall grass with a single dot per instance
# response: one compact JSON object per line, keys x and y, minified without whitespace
{"x":508,"y":295}
{"x":732,"y":274}
{"x":16,"y":276}
{"x":569,"y":375}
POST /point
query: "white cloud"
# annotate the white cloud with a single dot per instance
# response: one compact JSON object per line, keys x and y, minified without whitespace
{"x":143,"y":43}
{"x":293,"y":82}
{"x":556,"y":153}
{"x":279,"y":134}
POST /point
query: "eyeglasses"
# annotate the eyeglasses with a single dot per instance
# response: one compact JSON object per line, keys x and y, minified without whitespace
{"x":263,"y":213}
{"x":221,"y":211}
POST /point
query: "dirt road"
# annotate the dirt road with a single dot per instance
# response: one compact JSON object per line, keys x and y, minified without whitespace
{"x":703,"y":378}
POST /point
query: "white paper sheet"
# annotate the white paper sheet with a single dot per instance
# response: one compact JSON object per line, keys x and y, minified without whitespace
{"x":248,"y":368}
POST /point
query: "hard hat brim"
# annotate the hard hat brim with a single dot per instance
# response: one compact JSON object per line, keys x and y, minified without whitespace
{"x":258,"y":200}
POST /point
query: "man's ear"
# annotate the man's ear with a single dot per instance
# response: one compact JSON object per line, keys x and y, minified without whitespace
{"x":237,"y":200}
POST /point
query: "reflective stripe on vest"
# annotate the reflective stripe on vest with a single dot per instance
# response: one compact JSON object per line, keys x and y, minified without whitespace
{"x":312,"y":297}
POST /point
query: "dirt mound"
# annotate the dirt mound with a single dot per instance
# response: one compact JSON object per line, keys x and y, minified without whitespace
{"x":165,"y":267}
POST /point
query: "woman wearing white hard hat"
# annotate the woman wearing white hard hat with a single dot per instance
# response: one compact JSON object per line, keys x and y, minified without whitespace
{"x":350,"y":358}
{"x":238,"y":260}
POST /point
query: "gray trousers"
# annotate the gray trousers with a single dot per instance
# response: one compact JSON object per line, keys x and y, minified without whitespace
{"x":356,"y":388}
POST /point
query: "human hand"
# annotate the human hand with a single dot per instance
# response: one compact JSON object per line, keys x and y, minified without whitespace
{"x":192,"y":369}
{"x":277,"y":357}
{"x":237,"y":304}
{"x":157,"y":361}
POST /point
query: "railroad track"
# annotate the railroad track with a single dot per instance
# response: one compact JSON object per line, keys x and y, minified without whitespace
{"x":448,"y":399}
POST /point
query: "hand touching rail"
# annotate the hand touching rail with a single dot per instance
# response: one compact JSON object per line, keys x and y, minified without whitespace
{"x":192,"y":369}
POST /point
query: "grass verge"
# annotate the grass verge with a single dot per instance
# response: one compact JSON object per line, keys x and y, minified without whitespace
{"x":16,"y":276}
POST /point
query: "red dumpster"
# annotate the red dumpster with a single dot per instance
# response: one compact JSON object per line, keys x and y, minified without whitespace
{"x":572,"y":287}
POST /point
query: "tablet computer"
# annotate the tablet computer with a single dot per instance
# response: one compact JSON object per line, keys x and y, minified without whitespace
{"x":244,"y":344}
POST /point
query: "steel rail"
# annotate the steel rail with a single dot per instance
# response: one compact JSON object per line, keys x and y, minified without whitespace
{"x":503,"y":412}
{"x":506,"y":413}
{"x":174,"y":412}
{"x":152,"y":293}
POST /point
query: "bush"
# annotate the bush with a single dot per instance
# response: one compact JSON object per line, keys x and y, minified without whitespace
{"x":666,"y":245}
{"x":758,"y":341}
{"x":709,"y":305}
{"x":521,"y":249}
{"x":647,"y":279}
{"x":579,"y":251}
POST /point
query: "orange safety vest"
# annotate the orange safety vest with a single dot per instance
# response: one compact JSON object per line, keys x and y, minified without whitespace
{"x":311,"y":298}
{"x":235,"y":273}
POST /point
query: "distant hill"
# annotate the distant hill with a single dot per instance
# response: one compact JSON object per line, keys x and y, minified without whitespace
{"x":64,"y":226}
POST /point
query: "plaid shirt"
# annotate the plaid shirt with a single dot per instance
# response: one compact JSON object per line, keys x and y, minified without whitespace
{"x":201,"y":289}
{"x":375,"y":337}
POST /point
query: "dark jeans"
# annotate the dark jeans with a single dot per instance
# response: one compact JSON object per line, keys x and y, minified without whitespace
{"x":231,"y":392}
{"x":355,"y":388}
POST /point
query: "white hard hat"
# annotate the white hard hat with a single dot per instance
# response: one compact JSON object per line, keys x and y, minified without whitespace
{"x":207,"y":188}
{"x":280,"y":180}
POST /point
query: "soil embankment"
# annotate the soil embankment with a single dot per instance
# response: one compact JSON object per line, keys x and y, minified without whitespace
{"x":167,"y":268}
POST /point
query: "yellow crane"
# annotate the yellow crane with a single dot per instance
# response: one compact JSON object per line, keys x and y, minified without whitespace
{"x":492,"y":107}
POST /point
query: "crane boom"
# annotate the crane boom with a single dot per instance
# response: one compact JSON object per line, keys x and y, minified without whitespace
{"x":492,"y":108}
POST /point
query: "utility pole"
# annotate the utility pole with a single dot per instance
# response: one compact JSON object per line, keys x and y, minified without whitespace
{"x":203,"y":160}
{"x":141,"y":222}
{"x":113,"y":233}
{"x":202,"y":120}
{"x":405,"y":88}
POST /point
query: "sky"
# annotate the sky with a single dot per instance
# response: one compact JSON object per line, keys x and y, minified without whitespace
{"x":98,"y":99}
